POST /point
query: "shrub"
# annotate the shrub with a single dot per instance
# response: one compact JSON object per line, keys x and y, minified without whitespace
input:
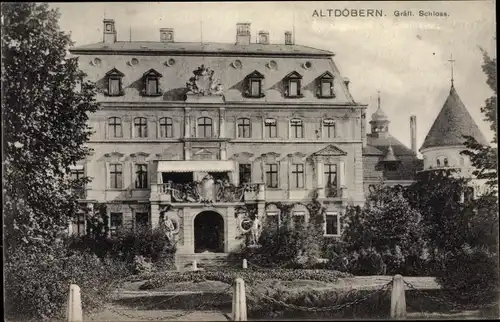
{"x":141,"y":265}
{"x":37,"y":285}
{"x":471,"y":275}
{"x":250,"y":276}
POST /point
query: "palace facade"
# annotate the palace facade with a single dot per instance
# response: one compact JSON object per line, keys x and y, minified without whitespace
{"x":204,"y":130}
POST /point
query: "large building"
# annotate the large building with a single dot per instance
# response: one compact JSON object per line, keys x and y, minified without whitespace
{"x":202,"y":130}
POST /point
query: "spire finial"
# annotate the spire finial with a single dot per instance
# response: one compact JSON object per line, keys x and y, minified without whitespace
{"x":378,"y":99}
{"x":451,"y":60}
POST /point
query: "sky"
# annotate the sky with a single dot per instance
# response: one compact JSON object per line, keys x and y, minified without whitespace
{"x":406,"y":58}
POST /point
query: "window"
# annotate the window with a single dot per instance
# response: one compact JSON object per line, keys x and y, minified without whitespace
{"x":115,"y":174}
{"x":272,"y":175}
{"x":299,"y":219}
{"x":114,"y":78}
{"x":274,"y":217}
{"x":329,"y":128}
{"x":205,"y":127}
{"x":325,"y":86}
{"x":141,"y":219}
{"x":331,"y":180}
{"x":166,"y":127}
{"x":244,"y":128}
{"x":152,"y":83}
{"x":270,"y":128}
{"x":116,"y":221}
{"x":332,"y":224}
{"x":141,"y":176}
{"x":297,"y":129}
{"x":78,"y":225}
{"x":445,"y":162}
{"x":293,"y":84}
{"x":391,"y":166}
{"x":78,"y":174}
{"x":254,"y":81}
{"x":438,"y":162}
{"x":245,"y":172}
{"x":297,"y":176}
{"x":462,"y":161}
{"x":140,"y":127}
{"x":115,"y":127}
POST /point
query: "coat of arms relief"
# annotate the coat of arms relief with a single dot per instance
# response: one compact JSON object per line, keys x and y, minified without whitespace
{"x":204,"y":82}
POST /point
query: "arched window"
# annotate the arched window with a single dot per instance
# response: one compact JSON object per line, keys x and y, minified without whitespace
{"x":438,"y":162}
{"x":244,"y":128}
{"x":115,"y":127}
{"x":140,"y":127}
{"x":166,"y":127}
{"x":297,"y":128}
{"x":445,"y":162}
{"x":205,"y":127}
{"x":462,"y":161}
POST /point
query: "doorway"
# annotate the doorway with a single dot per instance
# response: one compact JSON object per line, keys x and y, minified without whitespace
{"x":208,"y":232}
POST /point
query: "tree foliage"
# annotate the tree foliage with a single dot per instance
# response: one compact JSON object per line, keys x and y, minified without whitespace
{"x":45,"y":127}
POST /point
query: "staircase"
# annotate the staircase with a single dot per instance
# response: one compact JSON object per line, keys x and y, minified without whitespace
{"x":205,"y":260}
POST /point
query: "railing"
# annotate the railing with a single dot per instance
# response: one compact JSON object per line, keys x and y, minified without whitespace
{"x":198,"y":192}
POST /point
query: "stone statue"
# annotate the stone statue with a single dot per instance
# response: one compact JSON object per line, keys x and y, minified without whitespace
{"x":169,"y":228}
{"x":256,"y":230}
{"x":207,"y":188}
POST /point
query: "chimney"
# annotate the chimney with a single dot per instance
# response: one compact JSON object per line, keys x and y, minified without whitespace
{"x":166,"y":34}
{"x":264,"y":37}
{"x":109,"y":33}
{"x":413,"y":133}
{"x":288,"y":38}
{"x":363,"y":129}
{"x":243,"y":33}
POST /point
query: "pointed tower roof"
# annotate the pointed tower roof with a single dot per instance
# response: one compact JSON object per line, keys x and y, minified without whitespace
{"x":452,"y":123}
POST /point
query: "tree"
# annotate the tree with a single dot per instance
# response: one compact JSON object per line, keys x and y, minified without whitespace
{"x":387,"y":226}
{"x":44,"y":115}
{"x":484,"y":157}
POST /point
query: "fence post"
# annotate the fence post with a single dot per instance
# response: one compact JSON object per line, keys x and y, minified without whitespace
{"x":398,"y":300}
{"x":74,"y":313}
{"x":195,"y":265}
{"x":245,"y":265}
{"x":239,"y":301}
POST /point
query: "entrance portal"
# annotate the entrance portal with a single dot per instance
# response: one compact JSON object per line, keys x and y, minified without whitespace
{"x":208,"y":232}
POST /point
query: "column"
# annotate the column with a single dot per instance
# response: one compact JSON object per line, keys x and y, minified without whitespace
{"x":223,"y":151}
{"x":187,"y":123}
{"x":342,"y":185}
{"x":155,"y":215}
{"x":222,"y":123}
{"x":187,"y":151}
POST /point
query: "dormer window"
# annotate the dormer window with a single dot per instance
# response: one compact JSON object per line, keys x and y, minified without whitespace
{"x":292,"y":85}
{"x":325,"y":86}
{"x":114,"y":78}
{"x":254,"y":85}
{"x":152,"y":83}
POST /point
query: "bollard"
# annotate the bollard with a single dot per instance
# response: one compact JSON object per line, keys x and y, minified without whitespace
{"x":398,"y":300}
{"x":239,"y":301}
{"x":195,"y":265}
{"x":74,"y":313}
{"x":245,"y":265}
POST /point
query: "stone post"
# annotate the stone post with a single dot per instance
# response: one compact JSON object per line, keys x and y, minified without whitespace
{"x":195,"y":265}
{"x":74,"y":313}
{"x":398,"y":300}
{"x":155,"y":216}
{"x":245,"y":265}
{"x":239,"y":312}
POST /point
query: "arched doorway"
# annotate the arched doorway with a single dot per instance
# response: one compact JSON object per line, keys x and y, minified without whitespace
{"x":208,"y":232}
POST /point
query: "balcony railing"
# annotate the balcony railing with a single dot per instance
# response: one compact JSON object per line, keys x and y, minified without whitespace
{"x":206,"y":192}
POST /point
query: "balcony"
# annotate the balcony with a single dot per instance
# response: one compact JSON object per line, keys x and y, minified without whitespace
{"x":207,"y":192}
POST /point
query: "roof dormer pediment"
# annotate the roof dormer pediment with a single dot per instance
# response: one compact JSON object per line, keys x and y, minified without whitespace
{"x":152,"y":72}
{"x":115,"y":72}
{"x":293,"y":75}
{"x":255,"y":74}
{"x":326,"y":75}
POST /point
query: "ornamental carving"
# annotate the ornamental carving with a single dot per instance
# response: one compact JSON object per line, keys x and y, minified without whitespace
{"x":204,"y":82}
{"x":208,"y":191}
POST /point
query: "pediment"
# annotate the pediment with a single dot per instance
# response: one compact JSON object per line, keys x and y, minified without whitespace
{"x":241,"y":156}
{"x":270,"y":154}
{"x":326,"y":75}
{"x":114,"y":154}
{"x":330,"y":150}
{"x":152,"y":72}
{"x":115,"y":72}
{"x":293,"y":75}
{"x":139,"y":154}
{"x":203,"y":152}
{"x":255,"y":74}
{"x":299,"y":155}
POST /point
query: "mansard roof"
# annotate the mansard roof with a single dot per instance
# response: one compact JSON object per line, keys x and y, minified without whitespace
{"x":382,"y":144}
{"x":452,"y":124}
{"x":197,"y":47}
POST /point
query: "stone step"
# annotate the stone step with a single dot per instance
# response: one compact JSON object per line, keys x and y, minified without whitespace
{"x":204,"y":260}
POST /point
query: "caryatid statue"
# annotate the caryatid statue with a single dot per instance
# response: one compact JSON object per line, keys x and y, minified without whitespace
{"x":168,"y":225}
